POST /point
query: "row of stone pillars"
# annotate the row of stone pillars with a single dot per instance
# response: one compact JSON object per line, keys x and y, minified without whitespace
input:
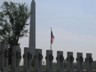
{"x":4,"y":55}
{"x":37,"y":59}
{"x":60,"y":61}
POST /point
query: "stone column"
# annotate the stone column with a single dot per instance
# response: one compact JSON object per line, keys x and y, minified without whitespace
{"x":79,"y":62}
{"x":70,"y":60}
{"x":38,"y":60}
{"x":4,"y":57}
{"x":89,"y":62}
{"x":16,"y":57}
{"x":60,"y":61}
{"x":1,"y":57}
{"x":49,"y":60}
{"x":27,"y":60}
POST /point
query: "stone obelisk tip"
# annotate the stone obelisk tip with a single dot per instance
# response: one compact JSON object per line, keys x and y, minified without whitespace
{"x":33,"y":0}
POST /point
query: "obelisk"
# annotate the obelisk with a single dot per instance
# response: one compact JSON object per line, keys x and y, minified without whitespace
{"x":32,"y":28}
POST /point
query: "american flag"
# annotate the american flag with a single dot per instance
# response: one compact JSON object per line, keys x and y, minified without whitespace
{"x":52,"y":37}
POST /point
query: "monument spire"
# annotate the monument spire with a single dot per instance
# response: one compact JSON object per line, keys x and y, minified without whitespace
{"x":32,"y":34}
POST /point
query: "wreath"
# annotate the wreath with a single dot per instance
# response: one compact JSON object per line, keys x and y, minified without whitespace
{"x":81,"y":59}
{"x":29,"y":56}
{"x":90,"y":59}
{"x":71,"y":59}
{"x":18,"y":54}
{"x":23,"y":55}
{"x":50,"y":57}
{"x":40,"y":57}
{"x":61,"y":58}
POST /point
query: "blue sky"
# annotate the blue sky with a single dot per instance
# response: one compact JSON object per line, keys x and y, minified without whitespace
{"x":73,"y":23}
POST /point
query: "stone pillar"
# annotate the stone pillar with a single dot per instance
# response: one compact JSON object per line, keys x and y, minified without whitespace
{"x":27,"y":60}
{"x":4,"y":57}
{"x":38,"y":60}
{"x":70,"y":60}
{"x":79,"y":62}
{"x":89,"y":62}
{"x":1,"y":57}
{"x":49,"y":60}
{"x":60,"y":61}
{"x":16,"y":57}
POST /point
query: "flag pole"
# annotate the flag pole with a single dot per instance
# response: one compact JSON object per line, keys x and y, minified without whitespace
{"x":50,"y":46}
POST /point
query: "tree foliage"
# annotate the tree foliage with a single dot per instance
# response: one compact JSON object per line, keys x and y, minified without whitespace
{"x":13,"y":22}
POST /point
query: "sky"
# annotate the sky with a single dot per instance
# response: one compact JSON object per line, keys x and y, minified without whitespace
{"x":73,"y":24}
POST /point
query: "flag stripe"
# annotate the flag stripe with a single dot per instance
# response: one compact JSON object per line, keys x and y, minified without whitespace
{"x":52,"y":37}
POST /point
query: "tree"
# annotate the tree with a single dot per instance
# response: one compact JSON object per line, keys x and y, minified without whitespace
{"x":13,"y":22}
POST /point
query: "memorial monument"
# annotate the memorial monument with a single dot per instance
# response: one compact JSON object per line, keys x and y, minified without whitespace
{"x":32,"y":28}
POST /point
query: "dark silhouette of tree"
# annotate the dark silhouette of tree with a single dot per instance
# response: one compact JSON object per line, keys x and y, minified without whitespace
{"x":13,"y":23}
